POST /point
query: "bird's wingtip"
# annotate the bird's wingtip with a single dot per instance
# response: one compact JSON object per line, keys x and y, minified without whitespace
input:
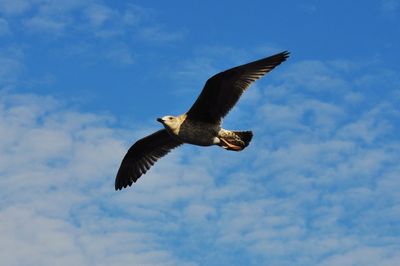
{"x":285,"y":54}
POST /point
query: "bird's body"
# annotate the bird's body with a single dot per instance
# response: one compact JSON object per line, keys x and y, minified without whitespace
{"x":191,"y":131}
{"x":198,"y":132}
{"x":201,"y":125}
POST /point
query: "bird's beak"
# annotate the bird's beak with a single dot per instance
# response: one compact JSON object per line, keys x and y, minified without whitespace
{"x":159,"y":120}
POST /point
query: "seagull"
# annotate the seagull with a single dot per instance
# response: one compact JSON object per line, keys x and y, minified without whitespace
{"x":201,"y":125}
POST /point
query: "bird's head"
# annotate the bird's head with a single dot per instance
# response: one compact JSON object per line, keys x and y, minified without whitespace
{"x":170,"y":122}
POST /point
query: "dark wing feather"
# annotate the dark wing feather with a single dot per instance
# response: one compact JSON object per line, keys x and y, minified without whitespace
{"x":223,"y":90}
{"x":142,"y":155}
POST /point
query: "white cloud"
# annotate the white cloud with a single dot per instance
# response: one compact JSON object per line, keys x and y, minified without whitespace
{"x":316,"y":76}
{"x":324,"y":146}
{"x":54,"y":163}
{"x":318,"y":185}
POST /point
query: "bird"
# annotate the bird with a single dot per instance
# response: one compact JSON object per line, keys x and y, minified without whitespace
{"x":201,"y":124}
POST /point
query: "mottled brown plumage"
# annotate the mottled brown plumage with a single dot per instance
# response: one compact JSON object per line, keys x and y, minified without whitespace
{"x":201,"y":125}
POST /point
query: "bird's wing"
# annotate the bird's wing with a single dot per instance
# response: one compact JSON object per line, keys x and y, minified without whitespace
{"x":223,"y":90}
{"x":142,"y":155}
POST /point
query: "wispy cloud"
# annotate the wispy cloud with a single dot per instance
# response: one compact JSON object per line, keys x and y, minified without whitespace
{"x":50,"y":156}
{"x":45,"y":24}
{"x":316,"y":151}
{"x":11,"y":65}
{"x":105,"y":32}
{"x":158,"y":35}
{"x":11,"y":7}
{"x":120,"y":54}
{"x":318,"y":185}
{"x":93,"y":17}
{"x":4,"y":28}
{"x":390,"y":7}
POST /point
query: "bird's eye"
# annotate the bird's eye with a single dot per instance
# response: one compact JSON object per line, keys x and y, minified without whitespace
{"x":170,"y":118}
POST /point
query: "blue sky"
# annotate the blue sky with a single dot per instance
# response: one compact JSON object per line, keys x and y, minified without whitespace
{"x":80,"y":81}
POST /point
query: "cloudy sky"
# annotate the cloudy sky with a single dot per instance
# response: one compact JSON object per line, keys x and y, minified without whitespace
{"x":80,"y":81}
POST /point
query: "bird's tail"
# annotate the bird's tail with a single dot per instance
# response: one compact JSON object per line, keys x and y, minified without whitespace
{"x":235,"y":140}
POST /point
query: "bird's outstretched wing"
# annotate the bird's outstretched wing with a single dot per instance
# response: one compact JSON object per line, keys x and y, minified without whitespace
{"x":223,"y":90}
{"x":142,"y":155}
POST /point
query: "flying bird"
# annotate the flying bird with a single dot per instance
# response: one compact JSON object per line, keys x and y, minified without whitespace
{"x":201,"y":125}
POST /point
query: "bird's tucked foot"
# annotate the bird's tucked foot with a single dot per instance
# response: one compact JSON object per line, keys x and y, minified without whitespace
{"x":234,"y":140}
{"x":229,"y":146}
